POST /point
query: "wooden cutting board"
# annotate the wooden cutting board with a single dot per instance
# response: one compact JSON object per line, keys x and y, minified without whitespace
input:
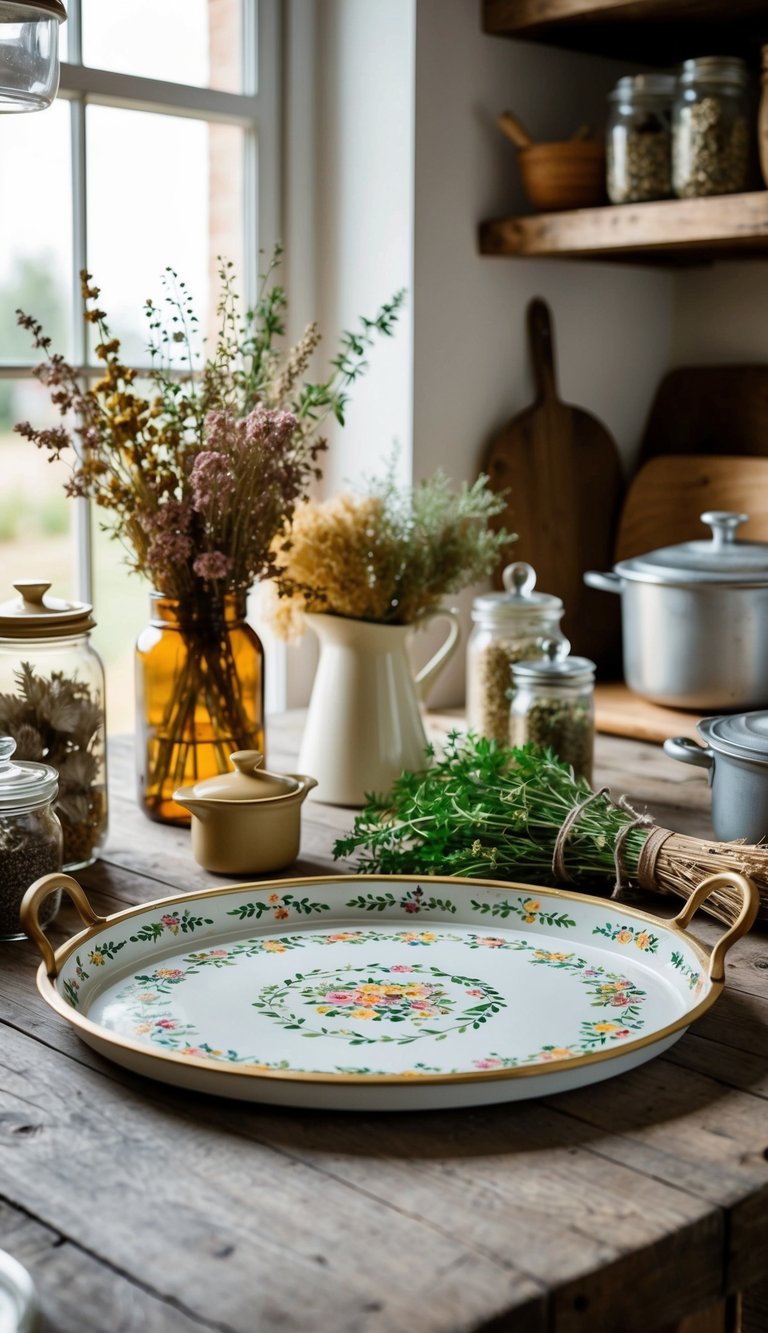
{"x":709,"y":410}
{"x":559,"y":469}
{"x":669,"y":494}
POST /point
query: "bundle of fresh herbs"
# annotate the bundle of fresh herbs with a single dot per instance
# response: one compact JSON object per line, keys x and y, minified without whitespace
{"x":484,"y":811}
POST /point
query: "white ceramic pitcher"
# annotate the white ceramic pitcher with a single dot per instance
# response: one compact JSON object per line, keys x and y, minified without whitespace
{"x":364,"y":723}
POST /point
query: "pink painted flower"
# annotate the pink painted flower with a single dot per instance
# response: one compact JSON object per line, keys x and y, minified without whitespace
{"x":341,"y":997}
{"x":619,"y":1000}
{"x":401,"y":967}
{"x":167,"y":1023}
{"x":169,"y":920}
{"x":475,"y":991}
{"x":491,"y":941}
{"x":488,"y":1063}
{"x":411,"y":906}
{"x":281,"y":913}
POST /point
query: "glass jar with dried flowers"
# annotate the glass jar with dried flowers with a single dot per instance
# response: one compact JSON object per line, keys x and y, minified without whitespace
{"x":364,"y":572}
{"x":199,"y":472}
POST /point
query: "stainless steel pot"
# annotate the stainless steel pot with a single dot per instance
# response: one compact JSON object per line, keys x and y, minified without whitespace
{"x":735,"y":755}
{"x":695,"y":619}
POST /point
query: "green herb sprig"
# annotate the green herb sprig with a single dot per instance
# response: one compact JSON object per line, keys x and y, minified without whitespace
{"x":486,"y":811}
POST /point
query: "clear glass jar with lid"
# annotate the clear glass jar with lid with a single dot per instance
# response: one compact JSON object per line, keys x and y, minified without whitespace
{"x":712,"y":128}
{"x":30,"y":836}
{"x":52,"y":704}
{"x":639,"y":138}
{"x":507,"y":627}
{"x":553,"y":707}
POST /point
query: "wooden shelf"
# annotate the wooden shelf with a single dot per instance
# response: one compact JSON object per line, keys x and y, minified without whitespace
{"x":650,"y":32}
{"x":674,"y":231}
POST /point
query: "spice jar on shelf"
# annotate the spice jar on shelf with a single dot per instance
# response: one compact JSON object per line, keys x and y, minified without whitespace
{"x":553,"y":707}
{"x":712,"y":128}
{"x":507,"y":627}
{"x":52,"y":704}
{"x":30,"y":836}
{"x":639,"y":138}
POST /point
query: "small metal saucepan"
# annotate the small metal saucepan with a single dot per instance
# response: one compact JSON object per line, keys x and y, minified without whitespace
{"x":735,"y":755}
{"x":695,"y":620}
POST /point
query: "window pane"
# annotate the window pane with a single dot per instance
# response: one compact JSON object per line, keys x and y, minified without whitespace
{"x":36,"y":517}
{"x":120,"y":609}
{"x":182,"y":183}
{"x":35,"y":230}
{"x":197,"y":42}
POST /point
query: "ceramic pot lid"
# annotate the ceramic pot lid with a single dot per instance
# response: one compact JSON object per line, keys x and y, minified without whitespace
{"x":33,"y":615}
{"x":24,"y":784}
{"x":249,"y":782}
{"x":518,"y":599}
{"x":722,"y":559}
{"x":744,"y":735}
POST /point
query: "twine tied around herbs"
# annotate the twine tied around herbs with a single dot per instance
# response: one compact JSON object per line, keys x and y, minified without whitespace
{"x":649,"y":852}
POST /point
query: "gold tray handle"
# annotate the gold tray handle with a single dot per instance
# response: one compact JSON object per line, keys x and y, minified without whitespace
{"x":744,"y":921}
{"x":33,"y":900}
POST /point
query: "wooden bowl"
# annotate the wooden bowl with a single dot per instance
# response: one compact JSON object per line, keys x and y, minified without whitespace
{"x":564,"y":175}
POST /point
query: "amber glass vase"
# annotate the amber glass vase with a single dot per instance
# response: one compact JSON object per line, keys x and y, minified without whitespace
{"x":199,"y":697}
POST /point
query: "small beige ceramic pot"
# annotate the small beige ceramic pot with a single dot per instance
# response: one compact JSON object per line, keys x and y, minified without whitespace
{"x":247,"y":822}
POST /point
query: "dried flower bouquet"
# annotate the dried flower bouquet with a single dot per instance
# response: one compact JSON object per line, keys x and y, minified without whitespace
{"x":199,"y":472}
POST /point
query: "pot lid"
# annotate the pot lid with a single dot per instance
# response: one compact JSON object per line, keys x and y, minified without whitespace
{"x":744,"y":735}
{"x":721,"y":559}
{"x":518,"y":598}
{"x":33,"y":615}
{"x":23,"y":784}
{"x":249,"y":782}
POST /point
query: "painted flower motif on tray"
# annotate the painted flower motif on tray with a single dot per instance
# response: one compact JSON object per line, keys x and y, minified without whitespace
{"x":623,"y":934}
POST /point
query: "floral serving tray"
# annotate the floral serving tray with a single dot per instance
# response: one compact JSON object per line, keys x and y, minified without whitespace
{"x":380,"y":993}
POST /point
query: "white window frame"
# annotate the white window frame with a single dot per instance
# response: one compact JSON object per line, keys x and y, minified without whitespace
{"x":257,"y":110}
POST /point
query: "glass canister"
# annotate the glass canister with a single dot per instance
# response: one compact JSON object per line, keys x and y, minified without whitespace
{"x":553,"y":707}
{"x":712,"y":128}
{"x":639,"y":138}
{"x":52,"y":704}
{"x":30,"y":836}
{"x":507,"y":627}
{"x":29,"y":53}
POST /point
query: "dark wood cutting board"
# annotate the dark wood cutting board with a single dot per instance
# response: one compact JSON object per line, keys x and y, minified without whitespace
{"x":709,"y":410}
{"x":559,"y":469}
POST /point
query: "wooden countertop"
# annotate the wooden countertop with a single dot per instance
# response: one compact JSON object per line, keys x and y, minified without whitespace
{"x":637,"y":1204}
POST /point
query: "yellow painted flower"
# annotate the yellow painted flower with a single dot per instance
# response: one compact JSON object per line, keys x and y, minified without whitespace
{"x":643,"y":940}
{"x":531,"y":905}
{"x":427,"y":936}
{"x":322,"y":1008}
{"x":274,"y":946}
{"x":624,"y":936}
{"x":363,"y":1013}
{"x":605,"y":1027}
{"x":141,"y":1028}
{"x":96,"y":959}
{"x":552,"y":957}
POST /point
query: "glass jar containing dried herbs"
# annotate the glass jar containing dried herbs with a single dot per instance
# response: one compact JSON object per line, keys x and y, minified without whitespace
{"x":30,"y":836}
{"x":713,"y":128}
{"x":639,"y":138}
{"x":508,"y":627}
{"x":52,"y":704}
{"x":553,"y":707}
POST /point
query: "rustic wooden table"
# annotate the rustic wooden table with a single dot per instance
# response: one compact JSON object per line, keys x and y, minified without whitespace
{"x":637,"y":1204}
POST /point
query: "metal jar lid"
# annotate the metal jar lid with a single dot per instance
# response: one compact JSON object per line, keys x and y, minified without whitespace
{"x":32,"y":11}
{"x":33,"y":615}
{"x":644,"y":87}
{"x":24,"y":784}
{"x":517,"y":600}
{"x":713,"y":69}
{"x":743,"y":735}
{"x":721,"y":560}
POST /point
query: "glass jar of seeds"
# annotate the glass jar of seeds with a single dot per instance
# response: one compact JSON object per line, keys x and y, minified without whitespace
{"x":639,"y":138}
{"x":507,"y":627}
{"x":52,"y":704}
{"x":553,"y":707}
{"x":30,"y":836}
{"x":712,"y":128}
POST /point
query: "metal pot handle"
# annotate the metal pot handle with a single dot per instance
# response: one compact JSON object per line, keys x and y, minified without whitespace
{"x":688,"y":752}
{"x":605,"y":582}
{"x":744,"y":921}
{"x":33,"y":900}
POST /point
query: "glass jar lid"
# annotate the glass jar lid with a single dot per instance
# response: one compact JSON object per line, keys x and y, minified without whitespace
{"x":518,"y":598}
{"x":23,"y":784}
{"x":249,"y":782}
{"x":743,"y":735}
{"x":644,"y":87}
{"x":33,"y":615}
{"x":31,"y":11}
{"x":722,"y":559}
{"x":555,"y":667}
{"x":713,"y":69}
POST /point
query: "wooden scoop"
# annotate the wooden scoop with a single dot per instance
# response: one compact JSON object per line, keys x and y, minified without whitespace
{"x":510,"y":125}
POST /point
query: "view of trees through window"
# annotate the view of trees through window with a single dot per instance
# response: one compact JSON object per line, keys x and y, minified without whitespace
{"x":159,"y":176}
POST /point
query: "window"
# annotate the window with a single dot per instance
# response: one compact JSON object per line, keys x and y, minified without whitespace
{"x":160,"y":150}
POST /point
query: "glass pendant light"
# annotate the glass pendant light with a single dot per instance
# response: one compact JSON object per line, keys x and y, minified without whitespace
{"x":29,"y":53}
